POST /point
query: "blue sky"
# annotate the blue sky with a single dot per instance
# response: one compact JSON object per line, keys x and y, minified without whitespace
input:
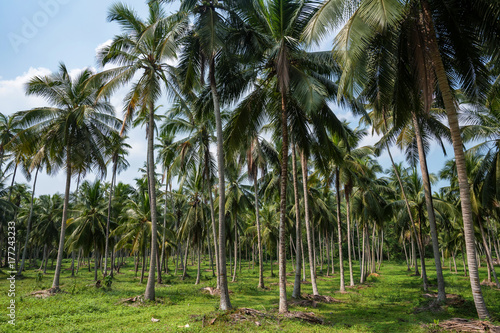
{"x":36,"y":35}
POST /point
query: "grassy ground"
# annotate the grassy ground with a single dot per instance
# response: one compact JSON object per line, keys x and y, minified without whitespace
{"x":385,"y":304}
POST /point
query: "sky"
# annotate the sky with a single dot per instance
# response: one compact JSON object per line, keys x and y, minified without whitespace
{"x":37,"y":35}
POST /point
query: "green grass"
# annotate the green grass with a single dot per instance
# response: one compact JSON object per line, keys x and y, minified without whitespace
{"x":385,"y":304}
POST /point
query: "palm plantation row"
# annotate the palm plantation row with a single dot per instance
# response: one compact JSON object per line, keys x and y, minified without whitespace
{"x":244,"y":73}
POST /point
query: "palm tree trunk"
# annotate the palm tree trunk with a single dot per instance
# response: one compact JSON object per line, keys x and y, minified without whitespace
{"x":296,"y":285}
{"x":106,"y":247}
{"x":421,"y":249}
{"x":327,"y":246}
{"x":283,"y":305}
{"x":184,"y":268}
{"x":198,"y":273}
{"x":214,"y":234}
{"x":310,"y":244}
{"x":362,"y":257}
{"x":259,"y":239}
{"x":96,"y":261}
{"x":225,"y":303}
{"x":463,"y":184}
{"x":60,"y":252}
{"x":235,"y":248}
{"x":150,"y":287}
{"x":164,"y":229}
{"x":430,"y":209}
{"x":348,"y":219}
{"x":28,"y":227}
{"x":406,"y":255}
{"x":339,"y":227}
{"x":489,"y":259}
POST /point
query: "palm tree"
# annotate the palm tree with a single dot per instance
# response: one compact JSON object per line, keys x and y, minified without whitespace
{"x":143,"y":49}
{"x":39,"y":160}
{"x":74,"y":129}
{"x":90,"y":221}
{"x":450,"y":41}
{"x":116,"y":150}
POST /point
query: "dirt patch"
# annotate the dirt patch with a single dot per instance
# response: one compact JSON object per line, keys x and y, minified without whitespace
{"x":45,"y":293}
{"x":310,"y":317}
{"x":489,"y":284}
{"x":451,"y":299}
{"x":434,"y":306}
{"x":213,"y":291}
{"x":374,"y":275}
{"x":258,"y":317}
{"x":133,"y":301}
{"x":465,"y":325}
{"x":309,"y":300}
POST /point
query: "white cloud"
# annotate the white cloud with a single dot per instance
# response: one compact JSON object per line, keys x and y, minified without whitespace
{"x":12,"y":92}
{"x":12,"y":95}
{"x":100,"y":46}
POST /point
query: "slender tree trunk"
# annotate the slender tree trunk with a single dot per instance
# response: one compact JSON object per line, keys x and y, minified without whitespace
{"x":96,"y":261}
{"x":298,"y":240}
{"x":421,"y":250}
{"x":164,"y":230}
{"x":60,"y":252}
{"x":28,"y":227}
{"x":214,"y":233}
{"x":310,"y":244}
{"x":446,"y":93}
{"x":489,"y":259}
{"x":373,"y":250}
{"x":259,"y":239}
{"x":198,"y":273}
{"x":303,"y":261}
{"x":150,"y":287}
{"x":186,"y":254}
{"x":106,"y":246}
{"x":143,"y":267}
{"x":347,"y":190}
{"x":332,"y":251}
{"x":413,"y":250}
{"x":283,"y":305}
{"x":235,"y":248}
{"x":430,"y":209}
{"x":406,"y":256}
{"x":225,"y":303}
{"x":339,"y":226}
{"x":362,"y":256}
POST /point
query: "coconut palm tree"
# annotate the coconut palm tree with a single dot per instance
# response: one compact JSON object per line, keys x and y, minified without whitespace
{"x":116,"y":151}
{"x":90,"y":221}
{"x":143,"y":49}
{"x":74,"y":129}
{"x":450,"y":41}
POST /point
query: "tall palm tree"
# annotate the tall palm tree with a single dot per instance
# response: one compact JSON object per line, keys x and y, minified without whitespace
{"x":143,"y":49}
{"x":450,"y":39}
{"x":116,"y":151}
{"x":90,"y":221}
{"x":74,"y":129}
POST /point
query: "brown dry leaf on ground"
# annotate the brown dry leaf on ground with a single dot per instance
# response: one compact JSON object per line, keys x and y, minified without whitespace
{"x":465,"y":325}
